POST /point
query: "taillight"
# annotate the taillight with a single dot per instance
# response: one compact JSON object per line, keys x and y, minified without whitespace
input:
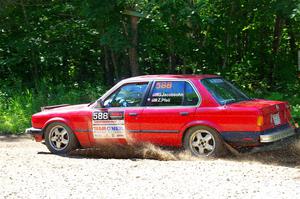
{"x":287,"y":111}
{"x":260,"y":120}
{"x":287,"y":106}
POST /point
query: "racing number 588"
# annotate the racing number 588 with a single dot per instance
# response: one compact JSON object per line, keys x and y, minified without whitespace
{"x":163,"y":85}
{"x":100,"y":116}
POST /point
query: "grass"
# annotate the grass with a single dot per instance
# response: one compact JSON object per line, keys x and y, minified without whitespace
{"x":293,"y":99}
{"x":16,"y":106}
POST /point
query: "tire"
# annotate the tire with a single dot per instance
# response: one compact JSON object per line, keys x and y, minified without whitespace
{"x":60,"y":139}
{"x":204,"y":141}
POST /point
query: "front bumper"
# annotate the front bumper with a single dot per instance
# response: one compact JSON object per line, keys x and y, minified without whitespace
{"x":37,"y":134}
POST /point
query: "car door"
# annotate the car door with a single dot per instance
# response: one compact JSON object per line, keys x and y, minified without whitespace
{"x":120,"y":114}
{"x":170,"y":105}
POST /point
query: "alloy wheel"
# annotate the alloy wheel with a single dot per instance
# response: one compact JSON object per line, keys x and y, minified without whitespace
{"x":202,"y":142}
{"x":59,"y":138}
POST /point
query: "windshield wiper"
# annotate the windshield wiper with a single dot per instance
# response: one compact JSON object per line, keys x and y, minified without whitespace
{"x":228,"y":101}
{"x":91,"y":103}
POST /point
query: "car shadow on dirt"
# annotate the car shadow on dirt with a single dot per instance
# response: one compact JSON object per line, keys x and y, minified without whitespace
{"x":13,"y":138}
{"x":288,"y":156}
{"x":284,"y":157}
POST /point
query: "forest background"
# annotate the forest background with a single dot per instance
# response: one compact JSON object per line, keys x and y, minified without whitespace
{"x":56,"y":51}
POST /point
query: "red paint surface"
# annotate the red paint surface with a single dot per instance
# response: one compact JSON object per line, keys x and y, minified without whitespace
{"x":236,"y":117}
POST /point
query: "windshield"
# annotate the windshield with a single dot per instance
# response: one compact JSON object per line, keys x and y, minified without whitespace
{"x":223,"y":91}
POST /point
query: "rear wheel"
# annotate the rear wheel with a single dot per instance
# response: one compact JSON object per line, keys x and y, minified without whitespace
{"x":204,"y":141}
{"x":60,"y":139}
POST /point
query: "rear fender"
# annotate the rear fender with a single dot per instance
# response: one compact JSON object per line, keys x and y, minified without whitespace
{"x":199,"y":123}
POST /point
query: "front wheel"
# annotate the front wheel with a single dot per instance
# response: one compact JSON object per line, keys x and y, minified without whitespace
{"x":204,"y":141}
{"x":60,"y":139}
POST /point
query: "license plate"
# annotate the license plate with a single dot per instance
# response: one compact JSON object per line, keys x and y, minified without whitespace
{"x":276,"y":119}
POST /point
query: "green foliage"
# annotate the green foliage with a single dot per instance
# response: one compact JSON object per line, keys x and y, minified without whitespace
{"x":17,"y":107}
{"x":290,"y":94}
{"x":56,"y":51}
{"x":296,"y":112}
{"x":14,"y":113}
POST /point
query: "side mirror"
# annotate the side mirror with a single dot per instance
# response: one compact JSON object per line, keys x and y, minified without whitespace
{"x":101,"y":103}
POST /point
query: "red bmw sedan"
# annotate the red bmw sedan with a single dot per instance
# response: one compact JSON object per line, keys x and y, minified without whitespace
{"x":204,"y":114}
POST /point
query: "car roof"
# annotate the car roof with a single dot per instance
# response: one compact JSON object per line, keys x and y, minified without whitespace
{"x":170,"y":76}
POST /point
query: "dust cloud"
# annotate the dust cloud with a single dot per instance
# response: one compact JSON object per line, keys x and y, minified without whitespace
{"x":133,"y":151}
{"x":288,"y":156}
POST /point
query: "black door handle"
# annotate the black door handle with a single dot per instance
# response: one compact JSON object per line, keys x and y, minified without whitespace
{"x":184,"y":113}
{"x":132,"y":114}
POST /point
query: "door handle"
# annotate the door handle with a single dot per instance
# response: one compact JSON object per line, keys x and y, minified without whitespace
{"x":184,"y":113}
{"x":132,"y":114}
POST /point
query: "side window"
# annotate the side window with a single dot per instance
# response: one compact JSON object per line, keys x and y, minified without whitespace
{"x":167,"y":93}
{"x":190,"y":98}
{"x":173,"y":93}
{"x":129,"y":95}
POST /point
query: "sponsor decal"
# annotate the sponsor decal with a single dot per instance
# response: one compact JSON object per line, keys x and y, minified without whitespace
{"x":164,"y":97}
{"x":161,"y":99}
{"x":166,"y":92}
{"x":163,"y":85}
{"x":108,"y":124}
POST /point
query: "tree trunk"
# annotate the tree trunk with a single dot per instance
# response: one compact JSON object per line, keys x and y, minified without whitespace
{"x":277,"y":33}
{"x":225,"y":58}
{"x":114,"y":62}
{"x":292,"y":41}
{"x":276,"y":43}
{"x":132,"y":50}
{"x":183,"y":71}
{"x":33,"y":64}
{"x":261,"y":46}
{"x":108,"y":71}
{"x":171,"y":68}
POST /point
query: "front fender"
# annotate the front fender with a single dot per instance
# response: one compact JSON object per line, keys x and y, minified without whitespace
{"x":58,"y":119}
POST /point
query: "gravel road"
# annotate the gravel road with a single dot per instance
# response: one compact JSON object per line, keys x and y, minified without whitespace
{"x":27,"y":170}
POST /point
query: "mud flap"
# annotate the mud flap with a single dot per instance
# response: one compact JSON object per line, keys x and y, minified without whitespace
{"x":232,"y":150}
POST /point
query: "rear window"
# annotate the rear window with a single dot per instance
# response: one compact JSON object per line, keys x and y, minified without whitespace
{"x":173,"y":93}
{"x":223,"y":91}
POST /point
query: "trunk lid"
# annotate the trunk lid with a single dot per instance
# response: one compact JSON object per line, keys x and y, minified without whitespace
{"x":275,"y":113}
{"x":63,"y":108}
